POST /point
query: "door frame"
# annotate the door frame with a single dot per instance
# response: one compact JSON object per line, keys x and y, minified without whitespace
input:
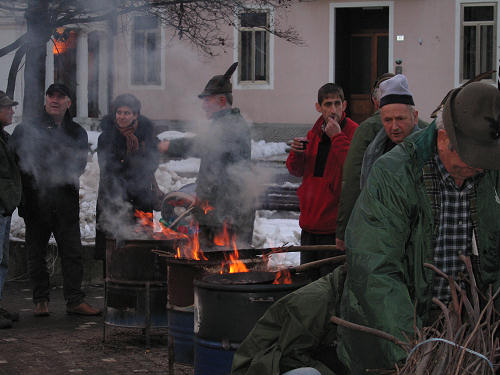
{"x":360,"y":4}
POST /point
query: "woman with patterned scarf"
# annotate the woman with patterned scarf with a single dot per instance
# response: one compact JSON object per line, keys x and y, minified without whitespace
{"x":128,"y":158}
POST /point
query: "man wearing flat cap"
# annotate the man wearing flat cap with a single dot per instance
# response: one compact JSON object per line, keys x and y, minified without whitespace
{"x":51,"y":152}
{"x":431,"y":199}
{"x":225,"y":151}
{"x":10,"y":196}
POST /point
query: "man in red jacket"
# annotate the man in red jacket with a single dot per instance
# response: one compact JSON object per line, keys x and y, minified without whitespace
{"x":319,"y":160}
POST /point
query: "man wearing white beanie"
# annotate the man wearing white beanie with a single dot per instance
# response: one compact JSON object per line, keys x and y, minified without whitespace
{"x":399,"y":117}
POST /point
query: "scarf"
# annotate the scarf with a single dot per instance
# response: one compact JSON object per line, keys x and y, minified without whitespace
{"x":128,"y":133}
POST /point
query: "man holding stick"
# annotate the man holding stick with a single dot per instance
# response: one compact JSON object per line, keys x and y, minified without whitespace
{"x":432,"y":199}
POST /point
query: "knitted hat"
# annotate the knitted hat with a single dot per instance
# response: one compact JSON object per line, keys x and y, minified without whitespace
{"x":395,"y":90}
{"x":471,"y":117}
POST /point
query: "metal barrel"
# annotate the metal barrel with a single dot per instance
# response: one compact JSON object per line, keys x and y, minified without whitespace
{"x":180,"y":331}
{"x":224,"y":315}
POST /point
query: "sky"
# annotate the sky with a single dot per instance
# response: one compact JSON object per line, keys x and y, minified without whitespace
{"x":271,"y":229}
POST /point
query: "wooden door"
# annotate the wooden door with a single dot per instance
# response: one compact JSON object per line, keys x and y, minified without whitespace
{"x":369,"y":51}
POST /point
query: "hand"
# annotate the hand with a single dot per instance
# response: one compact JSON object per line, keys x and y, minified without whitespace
{"x":332,"y":127}
{"x":340,"y":244}
{"x":163,"y":146}
{"x":297,"y":145}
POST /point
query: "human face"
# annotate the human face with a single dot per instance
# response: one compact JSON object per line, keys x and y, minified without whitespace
{"x":213,"y":103}
{"x":452,"y":162}
{"x":56,"y":105}
{"x":6,"y":114}
{"x":398,"y":121}
{"x":125,"y":116}
{"x":332,"y":106}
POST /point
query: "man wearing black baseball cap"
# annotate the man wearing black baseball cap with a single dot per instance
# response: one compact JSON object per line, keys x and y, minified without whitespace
{"x":52,"y":154}
{"x":432,"y":199}
{"x":10,"y":196}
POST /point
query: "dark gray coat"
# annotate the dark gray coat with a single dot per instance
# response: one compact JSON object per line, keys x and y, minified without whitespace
{"x":225,"y":152}
{"x":51,"y":159}
{"x":10,"y":178}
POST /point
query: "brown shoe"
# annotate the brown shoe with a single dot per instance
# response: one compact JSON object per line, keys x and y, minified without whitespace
{"x":41,"y":309}
{"x":83,"y":309}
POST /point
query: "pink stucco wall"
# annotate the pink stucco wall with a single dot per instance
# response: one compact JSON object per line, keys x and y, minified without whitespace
{"x":300,"y":70}
{"x":427,"y":50}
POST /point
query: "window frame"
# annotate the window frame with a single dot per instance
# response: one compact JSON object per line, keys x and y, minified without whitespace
{"x":160,"y":33}
{"x":462,"y":24}
{"x":255,"y":84}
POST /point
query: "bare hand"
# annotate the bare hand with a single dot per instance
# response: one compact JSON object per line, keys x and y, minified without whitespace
{"x":340,"y":244}
{"x":163,"y":146}
{"x":332,"y":127}
{"x":297,"y":145}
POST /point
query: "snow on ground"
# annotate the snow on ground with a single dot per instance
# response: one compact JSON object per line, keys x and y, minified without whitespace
{"x":262,"y":149}
{"x":270,"y":229}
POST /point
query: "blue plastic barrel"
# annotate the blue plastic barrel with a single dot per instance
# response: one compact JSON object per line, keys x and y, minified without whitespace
{"x":214,"y":358}
{"x":181,"y":323}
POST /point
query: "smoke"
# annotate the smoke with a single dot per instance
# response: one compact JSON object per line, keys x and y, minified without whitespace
{"x":50,"y":156}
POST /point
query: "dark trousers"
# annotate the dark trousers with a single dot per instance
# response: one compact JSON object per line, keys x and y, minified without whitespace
{"x":308,"y":238}
{"x":66,"y":232}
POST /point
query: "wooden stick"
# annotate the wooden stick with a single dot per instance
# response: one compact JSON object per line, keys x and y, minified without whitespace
{"x":317,"y":263}
{"x":369,"y":330}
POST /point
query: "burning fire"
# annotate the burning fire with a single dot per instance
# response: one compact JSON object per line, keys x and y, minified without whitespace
{"x":191,"y":248}
{"x":64,"y":40}
{"x":283,"y":277}
{"x":233,"y":264}
{"x":205,"y":207}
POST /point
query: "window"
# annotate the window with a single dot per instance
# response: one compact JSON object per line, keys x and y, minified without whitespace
{"x":146,"y":47}
{"x":478,"y":39}
{"x":254,"y":48}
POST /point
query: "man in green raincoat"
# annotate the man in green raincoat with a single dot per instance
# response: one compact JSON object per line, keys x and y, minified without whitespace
{"x":429,"y":200}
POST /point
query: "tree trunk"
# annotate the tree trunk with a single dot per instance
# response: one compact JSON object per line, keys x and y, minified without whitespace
{"x":39,"y":32}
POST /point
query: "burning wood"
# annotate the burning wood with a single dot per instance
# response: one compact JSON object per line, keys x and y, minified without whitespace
{"x":283,"y":277}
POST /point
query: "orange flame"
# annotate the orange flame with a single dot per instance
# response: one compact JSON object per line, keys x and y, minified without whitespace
{"x":60,"y":45}
{"x":205,"y":207}
{"x":190,"y":249}
{"x":283,"y":277}
{"x":234,"y":264}
{"x":145,"y":219}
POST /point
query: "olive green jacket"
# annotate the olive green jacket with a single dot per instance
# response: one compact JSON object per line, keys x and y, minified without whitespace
{"x":294,"y":332}
{"x":10,"y":178}
{"x":364,"y":135}
{"x":388,"y":239}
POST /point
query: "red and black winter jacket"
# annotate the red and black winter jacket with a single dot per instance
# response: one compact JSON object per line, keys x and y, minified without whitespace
{"x":319,"y":192}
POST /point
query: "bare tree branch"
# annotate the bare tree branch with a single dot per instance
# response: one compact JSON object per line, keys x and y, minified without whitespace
{"x":14,"y":68}
{"x":13,"y":46}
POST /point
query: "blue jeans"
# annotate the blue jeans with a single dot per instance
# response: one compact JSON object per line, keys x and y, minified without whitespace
{"x":4,"y":250}
{"x":303,"y":371}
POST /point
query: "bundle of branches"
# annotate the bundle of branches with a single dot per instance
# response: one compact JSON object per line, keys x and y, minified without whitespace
{"x":462,"y":340}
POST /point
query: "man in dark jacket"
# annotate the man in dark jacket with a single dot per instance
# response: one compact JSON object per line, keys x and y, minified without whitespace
{"x":52,"y":153}
{"x":320,"y":165}
{"x":10,"y":196}
{"x":369,"y":138}
{"x":428,"y":200}
{"x":225,"y":152}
